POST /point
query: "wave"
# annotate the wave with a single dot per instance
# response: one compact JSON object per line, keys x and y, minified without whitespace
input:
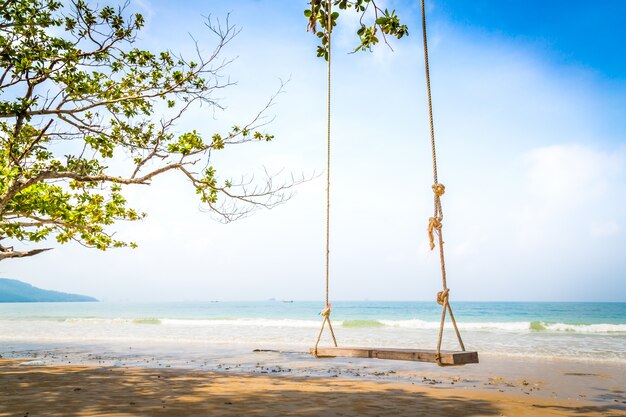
{"x":518,"y":326}
{"x":242,"y":322}
{"x":356,"y":324}
{"x":578,"y":328}
{"x":432,"y":325}
{"x":94,"y":320}
{"x":147,"y":321}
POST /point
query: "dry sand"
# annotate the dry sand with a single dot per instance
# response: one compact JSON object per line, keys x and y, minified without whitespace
{"x":69,"y":391}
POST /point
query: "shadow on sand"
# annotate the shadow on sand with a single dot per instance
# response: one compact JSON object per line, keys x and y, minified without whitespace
{"x":52,"y":391}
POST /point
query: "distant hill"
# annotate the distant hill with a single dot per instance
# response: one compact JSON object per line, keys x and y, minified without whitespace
{"x":14,"y":291}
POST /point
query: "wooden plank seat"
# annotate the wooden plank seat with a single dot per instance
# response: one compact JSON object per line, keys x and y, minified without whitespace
{"x":448,"y":357}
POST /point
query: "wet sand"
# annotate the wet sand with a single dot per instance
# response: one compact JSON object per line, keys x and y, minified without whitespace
{"x":69,"y":390}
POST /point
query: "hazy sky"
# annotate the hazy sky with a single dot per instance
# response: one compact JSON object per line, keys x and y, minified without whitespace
{"x":530,"y":106}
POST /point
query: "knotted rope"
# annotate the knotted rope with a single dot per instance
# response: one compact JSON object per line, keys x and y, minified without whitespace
{"x":442,"y":297}
{"x":435,"y":223}
{"x":326,"y":312}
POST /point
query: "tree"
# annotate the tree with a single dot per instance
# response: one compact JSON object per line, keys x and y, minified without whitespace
{"x":85,"y":113}
{"x":372,"y":20}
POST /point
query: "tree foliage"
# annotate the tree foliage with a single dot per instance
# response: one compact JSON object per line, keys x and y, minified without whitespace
{"x":85,"y":113}
{"x":372,"y":21}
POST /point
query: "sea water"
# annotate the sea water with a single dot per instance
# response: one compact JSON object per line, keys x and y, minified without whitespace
{"x":563,"y":331}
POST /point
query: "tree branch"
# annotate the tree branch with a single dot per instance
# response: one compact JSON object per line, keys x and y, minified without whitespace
{"x":9,"y":253}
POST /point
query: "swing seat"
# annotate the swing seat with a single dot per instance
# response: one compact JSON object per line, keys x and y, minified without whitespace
{"x":448,"y":357}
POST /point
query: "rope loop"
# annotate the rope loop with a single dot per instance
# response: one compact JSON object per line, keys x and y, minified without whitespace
{"x":439,"y":189}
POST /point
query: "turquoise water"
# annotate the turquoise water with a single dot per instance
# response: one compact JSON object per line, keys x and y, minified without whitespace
{"x":471,"y":312}
{"x":578,"y":331}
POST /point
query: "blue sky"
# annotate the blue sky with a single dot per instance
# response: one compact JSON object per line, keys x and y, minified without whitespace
{"x":572,"y":32}
{"x":529,"y":102}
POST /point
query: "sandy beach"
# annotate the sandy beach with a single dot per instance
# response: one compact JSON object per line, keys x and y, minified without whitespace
{"x":70,"y":390}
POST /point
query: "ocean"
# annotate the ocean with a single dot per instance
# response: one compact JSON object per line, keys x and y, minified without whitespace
{"x":562,"y":331}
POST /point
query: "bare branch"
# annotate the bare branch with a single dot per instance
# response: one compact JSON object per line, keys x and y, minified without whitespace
{"x":9,"y":253}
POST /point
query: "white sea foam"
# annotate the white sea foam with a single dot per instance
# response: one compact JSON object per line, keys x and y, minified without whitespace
{"x":517,"y":326}
{"x":93,"y":320}
{"x":242,"y":322}
{"x":586,"y":328}
{"x":430,"y":325}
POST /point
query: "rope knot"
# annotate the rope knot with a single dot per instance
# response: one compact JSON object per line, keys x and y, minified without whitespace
{"x":434,"y":224}
{"x":442,"y":297}
{"x":326,"y":312}
{"x":439,"y":189}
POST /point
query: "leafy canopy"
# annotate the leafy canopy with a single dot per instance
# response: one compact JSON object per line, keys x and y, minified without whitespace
{"x":86,"y":113}
{"x":372,"y":20}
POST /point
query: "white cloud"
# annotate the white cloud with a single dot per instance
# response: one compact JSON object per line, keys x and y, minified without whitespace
{"x":569,"y":190}
{"x":605,"y":229}
{"x":570,"y":174}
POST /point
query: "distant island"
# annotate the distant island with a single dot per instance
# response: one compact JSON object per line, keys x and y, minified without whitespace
{"x":14,"y":291}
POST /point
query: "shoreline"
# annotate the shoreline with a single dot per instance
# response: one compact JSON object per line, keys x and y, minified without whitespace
{"x":77,"y":390}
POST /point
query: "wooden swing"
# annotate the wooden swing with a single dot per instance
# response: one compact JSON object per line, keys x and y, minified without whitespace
{"x":441,"y":357}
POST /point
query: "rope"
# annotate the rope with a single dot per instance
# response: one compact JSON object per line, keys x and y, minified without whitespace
{"x":430,"y":102}
{"x":328,"y":102}
{"x":435,"y":223}
{"x":434,"y":226}
{"x":326,"y":312}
